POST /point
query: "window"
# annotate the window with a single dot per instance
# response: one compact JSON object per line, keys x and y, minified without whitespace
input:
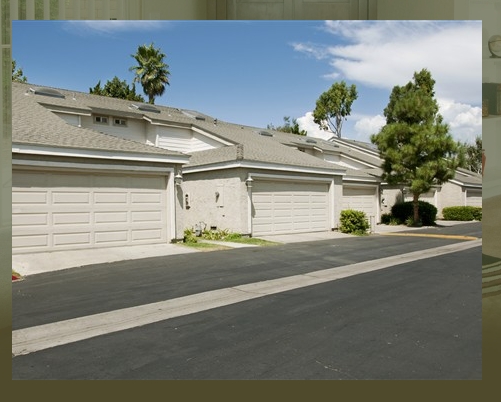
{"x":119,"y":122}
{"x":100,"y":119}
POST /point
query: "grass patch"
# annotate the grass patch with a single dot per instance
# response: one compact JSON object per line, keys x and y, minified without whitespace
{"x":252,"y":240}
{"x":200,"y":245}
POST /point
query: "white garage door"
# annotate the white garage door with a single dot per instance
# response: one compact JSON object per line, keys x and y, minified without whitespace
{"x":474,"y":198}
{"x":288,"y":207}
{"x":55,"y":211}
{"x":360,"y":199}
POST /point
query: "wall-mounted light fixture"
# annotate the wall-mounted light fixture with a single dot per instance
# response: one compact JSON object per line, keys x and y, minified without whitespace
{"x":178,"y":179}
{"x":248,"y":182}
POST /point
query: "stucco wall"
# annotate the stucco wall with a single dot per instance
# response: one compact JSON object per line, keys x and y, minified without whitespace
{"x":451,"y":196}
{"x":226,"y":211}
{"x":389,"y":197}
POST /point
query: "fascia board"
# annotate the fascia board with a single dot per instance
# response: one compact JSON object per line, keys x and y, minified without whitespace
{"x":262,"y":166}
{"x":462,"y":184}
{"x":97,"y":154}
{"x":373,"y":180}
{"x":99,"y":167}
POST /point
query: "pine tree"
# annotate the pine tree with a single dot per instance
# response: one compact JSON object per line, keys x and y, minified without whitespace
{"x":415,"y":144}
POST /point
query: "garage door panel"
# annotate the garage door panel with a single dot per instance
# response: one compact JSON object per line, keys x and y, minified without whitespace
{"x":145,"y":198}
{"x":111,"y":217}
{"x":146,"y":216}
{"x":288,"y":207}
{"x":110,"y":198}
{"x":132,"y":210}
{"x":146,"y":234}
{"x":108,"y":237}
{"x":72,"y":239}
{"x":75,"y":218}
{"x":360,"y":199}
{"x":25,"y":241}
{"x":29,"y":197}
{"x":30,"y":219}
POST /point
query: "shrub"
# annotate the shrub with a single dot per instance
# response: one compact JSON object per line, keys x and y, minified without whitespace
{"x":405,"y":210}
{"x":354,"y":222}
{"x":462,"y":213}
{"x":219,"y":234}
{"x":189,"y":236}
{"x":386,"y":219}
{"x":389,"y":219}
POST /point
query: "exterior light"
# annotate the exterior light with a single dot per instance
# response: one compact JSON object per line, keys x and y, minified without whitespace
{"x":178,"y":179}
{"x":248,"y":182}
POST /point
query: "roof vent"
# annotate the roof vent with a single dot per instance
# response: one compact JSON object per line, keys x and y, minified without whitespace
{"x":265,"y":134}
{"x":311,"y":141}
{"x":200,"y":118}
{"x":146,"y":108}
{"x":47,"y":92}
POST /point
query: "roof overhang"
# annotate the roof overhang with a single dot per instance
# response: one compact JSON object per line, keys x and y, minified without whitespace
{"x":29,"y":149}
{"x":262,"y":166}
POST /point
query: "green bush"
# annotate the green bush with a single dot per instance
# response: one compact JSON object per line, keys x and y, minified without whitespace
{"x":353,"y":222}
{"x":462,"y":213}
{"x":189,"y":236}
{"x":219,"y":234}
{"x":389,"y":219}
{"x":386,"y":219}
{"x":405,"y":210}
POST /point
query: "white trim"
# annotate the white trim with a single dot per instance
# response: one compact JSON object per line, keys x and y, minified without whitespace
{"x":171,"y":207}
{"x":267,"y":176}
{"x":372,"y":180}
{"x":96,"y":154}
{"x":453,"y":181}
{"x":263,"y":166}
{"x":94,"y":167}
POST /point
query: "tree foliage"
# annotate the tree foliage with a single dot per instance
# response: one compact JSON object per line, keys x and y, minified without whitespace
{"x":151,"y":71}
{"x":415,"y":144}
{"x":116,"y":88}
{"x":333,"y":106}
{"x":470,"y":155}
{"x":288,"y":127}
{"x":17,"y":73}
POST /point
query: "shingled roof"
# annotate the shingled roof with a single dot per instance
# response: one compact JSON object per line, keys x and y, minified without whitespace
{"x":33,"y":124}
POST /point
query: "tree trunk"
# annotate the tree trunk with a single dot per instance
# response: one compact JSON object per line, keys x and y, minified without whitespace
{"x":416,"y":208}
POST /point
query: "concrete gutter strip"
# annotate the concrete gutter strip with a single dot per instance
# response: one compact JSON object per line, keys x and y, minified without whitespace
{"x":438,"y":236}
{"x":45,"y":336}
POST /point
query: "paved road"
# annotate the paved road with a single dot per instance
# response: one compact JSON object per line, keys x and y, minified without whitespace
{"x":421,"y":319}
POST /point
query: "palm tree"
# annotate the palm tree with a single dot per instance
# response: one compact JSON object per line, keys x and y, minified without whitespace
{"x":151,"y":71}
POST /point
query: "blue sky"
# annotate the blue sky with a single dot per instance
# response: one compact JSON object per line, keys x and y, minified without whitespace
{"x":257,"y":72}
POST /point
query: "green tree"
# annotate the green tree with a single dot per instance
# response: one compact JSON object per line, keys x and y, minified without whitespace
{"x":17,"y":73}
{"x":117,"y":89}
{"x":470,"y":155}
{"x":151,"y":71}
{"x":333,"y":106}
{"x":415,"y":143}
{"x":288,"y":127}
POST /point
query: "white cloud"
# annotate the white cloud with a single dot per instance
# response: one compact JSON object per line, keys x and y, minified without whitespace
{"x":383,"y":54}
{"x":306,"y":123}
{"x":365,"y":126}
{"x":465,"y":121}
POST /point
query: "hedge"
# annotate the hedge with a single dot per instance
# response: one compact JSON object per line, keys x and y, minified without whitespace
{"x":462,"y":213}
{"x":405,"y":210}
